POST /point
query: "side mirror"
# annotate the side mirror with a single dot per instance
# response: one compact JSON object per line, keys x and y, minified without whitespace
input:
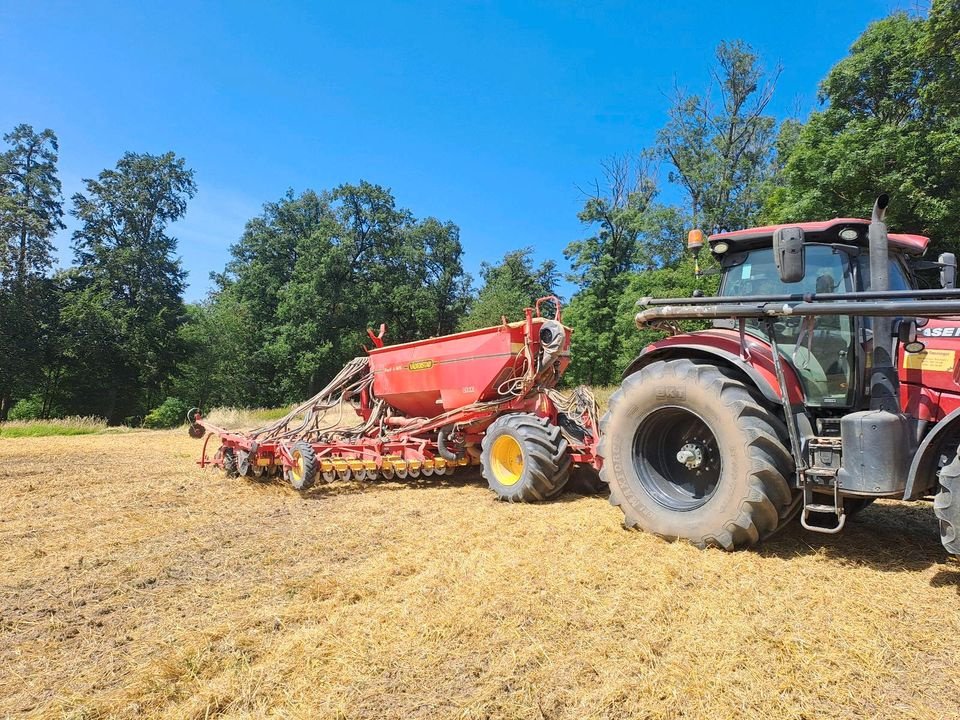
{"x":788,"y":254}
{"x":948,"y":270}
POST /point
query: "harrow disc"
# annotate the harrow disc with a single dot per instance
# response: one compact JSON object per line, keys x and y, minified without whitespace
{"x":243,"y":462}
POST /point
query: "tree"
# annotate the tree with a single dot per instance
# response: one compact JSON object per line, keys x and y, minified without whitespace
{"x":444,"y":287}
{"x":31,"y":209}
{"x":125,"y":293}
{"x":509,"y":286}
{"x":259,"y":277}
{"x":312,"y":273}
{"x":720,"y":152}
{"x":632,"y":232}
{"x":890,"y":124}
{"x":940,"y":50}
{"x":677,"y":280}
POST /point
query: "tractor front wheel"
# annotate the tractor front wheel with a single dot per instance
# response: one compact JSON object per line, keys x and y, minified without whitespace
{"x":525,"y":458}
{"x":946,"y":506}
{"x":690,"y":452}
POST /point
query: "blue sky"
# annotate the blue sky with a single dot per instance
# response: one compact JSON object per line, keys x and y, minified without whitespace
{"x":487,"y":114}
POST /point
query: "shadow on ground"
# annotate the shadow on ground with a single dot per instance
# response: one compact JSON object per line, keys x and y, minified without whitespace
{"x":888,"y":536}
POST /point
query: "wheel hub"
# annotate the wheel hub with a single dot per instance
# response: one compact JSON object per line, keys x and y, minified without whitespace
{"x":691,"y":455}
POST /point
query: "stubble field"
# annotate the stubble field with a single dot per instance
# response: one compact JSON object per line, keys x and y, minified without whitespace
{"x":134,"y":584}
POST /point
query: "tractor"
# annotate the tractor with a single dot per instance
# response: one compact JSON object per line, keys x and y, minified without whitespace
{"x":825,"y":378}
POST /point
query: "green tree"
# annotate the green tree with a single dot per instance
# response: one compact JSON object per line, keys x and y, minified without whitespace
{"x":721,"y":152}
{"x":632,"y":232}
{"x":678,"y":280}
{"x":125,"y":294}
{"x":31,"y":209}
{"x":509,"y":286}
{"x":257,"y":279}
{"x":940,"y":50}
{"x":890,"y":124}
{"x":314,"y":271}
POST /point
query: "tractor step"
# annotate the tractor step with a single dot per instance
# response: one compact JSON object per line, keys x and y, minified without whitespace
{"x":821,"y":508}
{"x":821,"y":472}
{"x":836,"y":509}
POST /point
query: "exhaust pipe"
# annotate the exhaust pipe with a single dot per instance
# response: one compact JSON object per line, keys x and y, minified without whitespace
{"x":883,"y":378}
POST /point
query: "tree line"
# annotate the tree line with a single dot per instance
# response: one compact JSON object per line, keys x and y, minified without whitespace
{"x":111,"y":335}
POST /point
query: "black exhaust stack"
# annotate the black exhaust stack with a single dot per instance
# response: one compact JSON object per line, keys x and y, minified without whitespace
{"x":876,"y":443}
{"x":883,"y":378}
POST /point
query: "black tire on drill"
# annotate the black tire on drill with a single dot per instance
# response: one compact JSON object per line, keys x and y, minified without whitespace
{"x":230,"y":462}
{"x":525,"y":458}
{"x":305,"y":468}
{"x":946,"y":506}
{"x":730,"y":490}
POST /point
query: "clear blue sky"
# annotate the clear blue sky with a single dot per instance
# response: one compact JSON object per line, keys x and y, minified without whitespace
{"x":487,"y":114}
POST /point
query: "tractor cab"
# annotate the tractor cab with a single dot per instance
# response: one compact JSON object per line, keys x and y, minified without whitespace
{"x":828,"y":353}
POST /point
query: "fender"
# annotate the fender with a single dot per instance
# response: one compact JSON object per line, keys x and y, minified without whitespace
{"x":725,"y":345}
{"x":923,"y":470}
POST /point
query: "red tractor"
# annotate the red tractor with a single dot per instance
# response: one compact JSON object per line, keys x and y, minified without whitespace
{"x":828,"y":379}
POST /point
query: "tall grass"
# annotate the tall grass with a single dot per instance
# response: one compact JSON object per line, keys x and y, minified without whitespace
{"x":44,"y":428}
{"x":235,"y":418}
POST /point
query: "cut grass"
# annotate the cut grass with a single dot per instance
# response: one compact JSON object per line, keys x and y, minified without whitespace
{"x":133,"y":584}
{"x":46,"y":428}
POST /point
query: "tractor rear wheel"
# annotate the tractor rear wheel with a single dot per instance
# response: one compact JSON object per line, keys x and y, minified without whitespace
{"x":690,"y":452}
{"x":303,"y":473}
{"x":946,"y":506}
{"x":525,"y":458}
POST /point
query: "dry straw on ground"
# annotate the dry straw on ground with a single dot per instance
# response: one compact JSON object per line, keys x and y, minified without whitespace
{"x":133,"y":584}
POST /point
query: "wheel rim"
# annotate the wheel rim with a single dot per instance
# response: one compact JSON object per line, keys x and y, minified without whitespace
{"x":297,"y":470}
{"x":677,"y":458}
{"x":506,"y":460}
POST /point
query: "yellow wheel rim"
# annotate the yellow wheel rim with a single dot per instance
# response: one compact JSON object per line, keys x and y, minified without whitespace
{"x":297,"y":468}
{"x":506,"y":459}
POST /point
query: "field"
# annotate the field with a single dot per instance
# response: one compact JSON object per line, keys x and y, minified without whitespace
{"x":133,"y":584}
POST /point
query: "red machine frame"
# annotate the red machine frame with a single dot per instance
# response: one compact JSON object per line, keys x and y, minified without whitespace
{"x":513,"y":380}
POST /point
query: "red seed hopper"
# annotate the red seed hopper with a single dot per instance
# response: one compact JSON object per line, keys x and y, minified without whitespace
{"x":483,"y":397}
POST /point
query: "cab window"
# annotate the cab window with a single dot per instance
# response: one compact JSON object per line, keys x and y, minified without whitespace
{"x":898,"y":275}
{"x":821,"y":349}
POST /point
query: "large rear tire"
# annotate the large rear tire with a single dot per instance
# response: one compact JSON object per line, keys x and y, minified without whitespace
{"x":946,"y":506}
{"x":525,"y":458}
{"x":690,"y":452}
